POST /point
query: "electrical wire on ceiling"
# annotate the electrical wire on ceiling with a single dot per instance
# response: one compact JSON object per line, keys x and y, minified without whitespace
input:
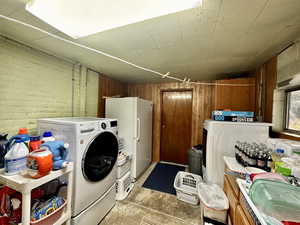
{"x":166,"y":75}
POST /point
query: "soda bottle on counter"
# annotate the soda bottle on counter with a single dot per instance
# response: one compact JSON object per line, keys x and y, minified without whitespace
{"x":252,"y":159}
{"x":269,"y":162}
{"x":246,"y":154}
{"x":237,"y":149}
{"x":261,"y":160}
{"x":243,"y":153}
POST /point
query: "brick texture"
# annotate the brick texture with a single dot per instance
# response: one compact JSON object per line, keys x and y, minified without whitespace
{"x":36,"y":85}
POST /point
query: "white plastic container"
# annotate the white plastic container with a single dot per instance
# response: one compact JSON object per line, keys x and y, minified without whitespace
{"x":16,"y":158}
{"x":185,"y":185}
{"x":123,"y":164}
{"x":214,"y":203}
{"x":123,"y":186}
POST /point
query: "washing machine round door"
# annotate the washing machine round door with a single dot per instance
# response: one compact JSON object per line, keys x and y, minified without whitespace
{"x":100,"y":157}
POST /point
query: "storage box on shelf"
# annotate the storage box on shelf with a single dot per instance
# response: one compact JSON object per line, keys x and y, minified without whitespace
{"x":25,"y":185}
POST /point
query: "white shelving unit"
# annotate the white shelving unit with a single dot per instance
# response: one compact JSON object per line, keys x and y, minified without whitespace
{"x":24,"y":185}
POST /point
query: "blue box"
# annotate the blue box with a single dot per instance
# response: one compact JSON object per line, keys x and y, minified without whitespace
{"x":232,"y":113}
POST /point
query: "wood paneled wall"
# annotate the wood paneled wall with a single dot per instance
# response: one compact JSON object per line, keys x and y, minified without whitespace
{"x":266,"y":78}
{"x":108,"y":88}
{"x":202,"y":106}
{"x":236,"y":98}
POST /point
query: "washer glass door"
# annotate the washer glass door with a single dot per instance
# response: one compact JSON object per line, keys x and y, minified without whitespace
{"x":100,"y":157}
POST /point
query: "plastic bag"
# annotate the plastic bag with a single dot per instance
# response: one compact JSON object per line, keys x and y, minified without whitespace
{"x":5,"y":208}
{"x":213,"y":196}
{"x":276,"y":199}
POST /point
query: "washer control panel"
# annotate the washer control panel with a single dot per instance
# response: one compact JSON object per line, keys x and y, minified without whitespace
{"x":103,"y":125}
{"x":87,"y":128}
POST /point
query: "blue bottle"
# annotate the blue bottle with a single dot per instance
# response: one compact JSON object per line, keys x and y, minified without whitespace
{"x":23,"y":135}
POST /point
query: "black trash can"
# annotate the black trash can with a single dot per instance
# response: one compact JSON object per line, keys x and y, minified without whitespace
{"x":195,"y":159}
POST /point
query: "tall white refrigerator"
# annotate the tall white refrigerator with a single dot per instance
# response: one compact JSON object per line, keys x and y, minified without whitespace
{"x":135,"y":126}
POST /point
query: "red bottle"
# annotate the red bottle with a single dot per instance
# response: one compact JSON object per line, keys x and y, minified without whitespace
{"x":35,"y":143}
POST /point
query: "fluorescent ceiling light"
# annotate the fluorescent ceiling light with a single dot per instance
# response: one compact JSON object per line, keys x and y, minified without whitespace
{"x":79,"y":18}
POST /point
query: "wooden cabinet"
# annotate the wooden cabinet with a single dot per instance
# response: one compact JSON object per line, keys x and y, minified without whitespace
{"x":236,"y":98}
{"x":238,"y":213}
{"x":232,"y":198}
{"x":234,"y":185}
{"x":240,"y":217}
{"x":243,"y":204}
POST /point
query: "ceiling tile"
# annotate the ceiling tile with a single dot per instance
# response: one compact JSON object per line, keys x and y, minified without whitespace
{"x":241,"y":11}
{"x":27,"y":17}
{"x":166,"y":31}
{"x":9,"y":6}
{"x":211,"y":4}
{"x":222,"y":36}
{"x":19,"y":32}
{"x":276,"y":14}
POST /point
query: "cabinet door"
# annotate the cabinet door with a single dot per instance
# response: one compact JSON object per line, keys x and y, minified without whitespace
{"x":245,"y":208}
{"x":236,"y":98}
{"x":234,"y":185}
{"x":240,"y":217}
{"x":233,"y":200}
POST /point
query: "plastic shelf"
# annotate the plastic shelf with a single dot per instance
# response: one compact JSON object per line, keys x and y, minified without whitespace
{"x":24,"y":185}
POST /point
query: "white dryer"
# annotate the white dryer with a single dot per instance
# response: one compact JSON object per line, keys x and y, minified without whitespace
{"x":94,"y":151}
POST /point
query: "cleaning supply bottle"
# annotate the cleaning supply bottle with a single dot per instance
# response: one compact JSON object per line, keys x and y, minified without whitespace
{"x":23,"y":135}
{"x":47,"y":136}
{"x":16,"y":158}
{"x":35,"y":143}
{"x":277,"y":156}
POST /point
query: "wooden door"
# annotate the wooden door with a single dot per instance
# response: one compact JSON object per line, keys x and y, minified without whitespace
{"x":176,"y":126}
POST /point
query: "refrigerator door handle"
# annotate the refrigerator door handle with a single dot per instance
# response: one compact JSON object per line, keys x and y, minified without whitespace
{"x":138,"y":129}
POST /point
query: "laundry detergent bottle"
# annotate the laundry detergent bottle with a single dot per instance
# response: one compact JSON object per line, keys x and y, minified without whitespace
{"x":47,"y":136}
{"x":16,"y":158}
{"x":23,"y":135}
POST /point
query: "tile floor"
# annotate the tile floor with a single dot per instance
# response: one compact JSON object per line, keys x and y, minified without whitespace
{"x":148,"y":207}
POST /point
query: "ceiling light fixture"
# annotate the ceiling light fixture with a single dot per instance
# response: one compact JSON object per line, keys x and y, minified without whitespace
{"x":78,"y":18}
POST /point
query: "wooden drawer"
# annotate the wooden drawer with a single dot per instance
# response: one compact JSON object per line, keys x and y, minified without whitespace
{"x":233,"y":200}
{"x":234,"y":185}
{"x":246,"y":209}
{"x":240,"y":217}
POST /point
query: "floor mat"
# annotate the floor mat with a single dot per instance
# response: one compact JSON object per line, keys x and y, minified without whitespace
{"x":162,"y":178}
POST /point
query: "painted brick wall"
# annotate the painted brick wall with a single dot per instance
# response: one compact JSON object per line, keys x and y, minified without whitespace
{"x":92,"y":87}
{"x":36,"y":85}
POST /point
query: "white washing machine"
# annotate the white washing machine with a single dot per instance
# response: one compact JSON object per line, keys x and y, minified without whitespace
{"x":94,"y":151}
